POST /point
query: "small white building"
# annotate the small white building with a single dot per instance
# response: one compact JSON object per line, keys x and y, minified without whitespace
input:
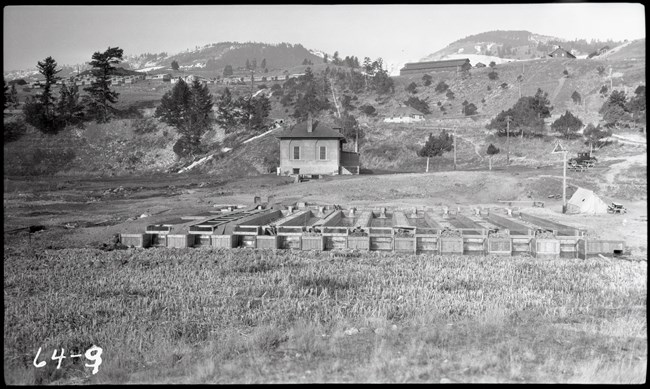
{"x":405,"y":115}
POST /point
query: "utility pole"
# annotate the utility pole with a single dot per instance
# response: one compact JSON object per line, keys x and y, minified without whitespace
{"x":508,"y":140}
{"x":454,"y":148}
{"x":564,"y":183}
{"x":356,"y":140}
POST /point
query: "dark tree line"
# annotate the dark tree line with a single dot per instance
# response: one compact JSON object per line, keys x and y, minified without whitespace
{"x":50,"y":114}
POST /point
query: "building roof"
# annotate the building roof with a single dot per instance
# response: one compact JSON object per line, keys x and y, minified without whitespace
{"x":320,"y":130}
{"x":560,"y":50}
{"x":435,"y":64}
{"x":406,"y":111}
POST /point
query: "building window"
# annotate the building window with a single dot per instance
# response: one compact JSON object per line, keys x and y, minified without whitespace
{"x":296,"y":152}
{"x":323,"y":152}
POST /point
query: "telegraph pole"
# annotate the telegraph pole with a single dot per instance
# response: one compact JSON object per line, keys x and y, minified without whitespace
{"x":564,"y":183}
{"x":454,"y":148}
{"x":508,"y":140}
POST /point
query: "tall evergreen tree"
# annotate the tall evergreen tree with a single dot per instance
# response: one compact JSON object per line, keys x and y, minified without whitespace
{"x":69,"y":109}
{"x":227,"y":114}
{"x":100,"y":95}
{"x":48,"y":69}
{"x":227,"y":71}
{"x":187,"y":108}
{"x":263,"y":65}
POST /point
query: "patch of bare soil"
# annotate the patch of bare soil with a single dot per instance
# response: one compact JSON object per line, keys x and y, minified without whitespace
{"x":88,"y":213}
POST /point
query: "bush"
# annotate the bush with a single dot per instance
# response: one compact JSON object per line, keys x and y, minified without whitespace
{"x":504,"y":85}
{"x":418,"y":104}
{"x":493,"y":75}
{"x":14,"y":129}
{"x":412,"y":88}
{"x":441,"y":87}
{"x":145,"y":126}
{"x":185,"y":147}
{"x":368,"y":110}
{"x":450,"y":95}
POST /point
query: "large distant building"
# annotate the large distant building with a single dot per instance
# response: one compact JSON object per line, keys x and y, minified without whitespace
{"x":433,"y":66}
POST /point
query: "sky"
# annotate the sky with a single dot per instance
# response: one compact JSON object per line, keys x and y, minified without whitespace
{"x":397,"y":33}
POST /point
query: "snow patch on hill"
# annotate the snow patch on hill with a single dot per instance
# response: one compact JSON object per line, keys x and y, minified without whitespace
{"x":149,"y":69}
{"x":317,"y":53}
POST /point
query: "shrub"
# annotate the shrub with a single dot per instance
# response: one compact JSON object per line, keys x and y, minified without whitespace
{"x":450,"y":95}
{"x":441,"y":87}
{"x":368,"y":110}
{"x":418,"y":104}
{"x":504,"y":85}
{"x":493,"y":75}
{"x":576,"y":97}
{"x":145,"y":126}
{"x":412,"y":88}
{"x":185,"y":147}
{"x":14,"y":129}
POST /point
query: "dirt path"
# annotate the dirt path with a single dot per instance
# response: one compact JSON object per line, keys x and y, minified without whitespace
{"x":476,"y":147}
{"x":558,"y":88}
{"x":617,"y":168}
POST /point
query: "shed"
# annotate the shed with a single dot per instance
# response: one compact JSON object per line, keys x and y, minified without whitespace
{"x":405,"y":114}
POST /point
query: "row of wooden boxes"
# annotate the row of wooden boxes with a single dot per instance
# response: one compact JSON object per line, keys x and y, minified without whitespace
{"x":565,"y":247}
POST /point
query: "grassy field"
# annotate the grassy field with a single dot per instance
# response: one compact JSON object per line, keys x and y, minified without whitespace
{"x":245,"y":316}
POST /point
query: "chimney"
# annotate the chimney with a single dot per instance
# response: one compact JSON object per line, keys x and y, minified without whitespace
{"x":310,"y":123}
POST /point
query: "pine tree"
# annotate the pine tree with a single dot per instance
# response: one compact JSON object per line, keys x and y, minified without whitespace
{"x":48,"y":69}
{"x":567,"y":124}
{"x":492,"y":150}
{"x":175,"y":65}
{"x":227,"y":71}
{"x":263,"y":63}
{"x":436,"y":146}
{"x":100,"y":95}
{"x":227,"y":115}
{"x":68,"y":108}
{"x":187,"y":108}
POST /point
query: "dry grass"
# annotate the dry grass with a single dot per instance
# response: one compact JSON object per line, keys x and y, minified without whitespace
{"x":209,"y":316}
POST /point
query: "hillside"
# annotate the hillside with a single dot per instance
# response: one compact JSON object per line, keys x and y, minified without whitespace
{"x":211,"y":58}
{"x":116,"y":149}
{"x":514,"y":45}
